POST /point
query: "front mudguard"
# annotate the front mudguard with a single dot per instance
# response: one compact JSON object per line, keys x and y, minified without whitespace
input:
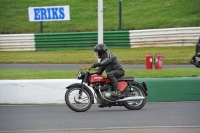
{"x":85,"y":88}
{"x":74,"y":85}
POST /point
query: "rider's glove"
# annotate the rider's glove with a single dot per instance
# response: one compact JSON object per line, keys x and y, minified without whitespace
{"x":96,"y":65}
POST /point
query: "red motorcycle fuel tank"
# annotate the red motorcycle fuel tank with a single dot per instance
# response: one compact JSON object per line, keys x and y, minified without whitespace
{"x":98,"y":78}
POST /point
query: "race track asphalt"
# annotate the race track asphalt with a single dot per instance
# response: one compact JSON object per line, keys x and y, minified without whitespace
{"x":170,"y":117}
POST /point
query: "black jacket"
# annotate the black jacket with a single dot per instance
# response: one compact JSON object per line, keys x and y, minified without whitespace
{"x":109,"y":62}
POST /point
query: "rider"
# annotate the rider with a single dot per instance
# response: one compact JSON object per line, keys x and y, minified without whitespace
{"x":109,"y":63}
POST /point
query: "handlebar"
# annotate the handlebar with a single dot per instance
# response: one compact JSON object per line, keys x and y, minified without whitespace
{"x":89,"y":71}
{"x":89,"y":68}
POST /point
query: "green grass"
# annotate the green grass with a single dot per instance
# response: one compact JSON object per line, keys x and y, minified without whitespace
{"x":136,"y":14}
{"x":171,"y":55}
{"x":70,"y":74}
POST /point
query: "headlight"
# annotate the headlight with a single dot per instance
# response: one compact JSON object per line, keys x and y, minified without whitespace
{"x":80,"y":75}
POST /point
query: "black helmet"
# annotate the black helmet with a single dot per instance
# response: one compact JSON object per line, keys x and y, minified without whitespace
{"x":100,"y":49}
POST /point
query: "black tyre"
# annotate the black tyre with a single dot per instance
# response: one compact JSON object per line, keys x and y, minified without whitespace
{"x":135,"y":90}
{"x":78,"y":104}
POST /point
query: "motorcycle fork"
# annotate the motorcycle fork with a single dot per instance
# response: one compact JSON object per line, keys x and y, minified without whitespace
{"x":81,"y":91}
{"x":82,"y":87}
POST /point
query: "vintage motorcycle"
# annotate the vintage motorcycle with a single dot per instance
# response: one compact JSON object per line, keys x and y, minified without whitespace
{"x":79,"y":97}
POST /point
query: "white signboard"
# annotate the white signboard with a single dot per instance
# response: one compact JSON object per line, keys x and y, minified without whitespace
{"x":49,"y":13}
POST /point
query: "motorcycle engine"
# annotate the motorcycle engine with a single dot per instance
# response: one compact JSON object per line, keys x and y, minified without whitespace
{"x":107,"y":94}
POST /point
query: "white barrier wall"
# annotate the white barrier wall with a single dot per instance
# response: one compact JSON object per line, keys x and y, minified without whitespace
{"x":17,"y":42}
{"x":51,"y":91}
{"x":164,"y":37}
{"x":187,"y":36}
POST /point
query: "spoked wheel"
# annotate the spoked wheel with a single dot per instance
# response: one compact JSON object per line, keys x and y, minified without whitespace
{"x":135,"y":90}
{"x":76,"y":103}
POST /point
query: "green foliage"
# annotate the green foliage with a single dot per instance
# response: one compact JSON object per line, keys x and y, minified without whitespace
{"x":136,"y":14}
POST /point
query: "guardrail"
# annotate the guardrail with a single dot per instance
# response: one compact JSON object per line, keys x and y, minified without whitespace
{"x":113,"y":39}
{"x":164,"y":37}
{"x":80,"y":40}
{"x":17,"y":42}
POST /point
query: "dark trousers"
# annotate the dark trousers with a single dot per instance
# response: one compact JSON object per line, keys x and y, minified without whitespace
{"x":113,"y":75}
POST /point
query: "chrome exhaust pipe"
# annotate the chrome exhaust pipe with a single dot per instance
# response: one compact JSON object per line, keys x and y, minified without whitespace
{"x":131,"y":98}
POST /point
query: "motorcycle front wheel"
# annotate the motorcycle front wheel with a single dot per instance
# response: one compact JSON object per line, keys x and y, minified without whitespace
{"x":135,"y":90}
{"x":77,"y":103}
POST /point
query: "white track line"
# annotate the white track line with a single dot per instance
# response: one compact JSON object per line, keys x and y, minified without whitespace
{"x":106,"y":128}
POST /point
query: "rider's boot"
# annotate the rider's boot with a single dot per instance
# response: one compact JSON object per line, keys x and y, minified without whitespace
{"x":116,"y":93}
{"x":102,"y":106}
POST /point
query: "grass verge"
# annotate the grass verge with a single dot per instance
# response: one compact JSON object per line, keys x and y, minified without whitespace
{"x":171,"y":55}
{"x":70,"y":74}
{"x":136,"y":14}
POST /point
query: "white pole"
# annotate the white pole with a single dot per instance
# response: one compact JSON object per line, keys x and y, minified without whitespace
{"x":100,"y":21}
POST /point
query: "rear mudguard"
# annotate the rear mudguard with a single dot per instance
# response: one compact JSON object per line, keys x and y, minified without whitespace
{"x":142,"y":85}
{"x":85,"y":87}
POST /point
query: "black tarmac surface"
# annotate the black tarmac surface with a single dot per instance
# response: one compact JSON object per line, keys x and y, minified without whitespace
{"x":162,"y":117}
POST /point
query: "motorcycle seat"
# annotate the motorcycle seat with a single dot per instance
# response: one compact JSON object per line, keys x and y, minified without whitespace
{"x":125,"y":78}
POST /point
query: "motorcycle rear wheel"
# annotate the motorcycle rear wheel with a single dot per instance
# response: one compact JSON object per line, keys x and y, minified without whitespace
{"x":78,"y":104}
{"x":136,"y":104}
